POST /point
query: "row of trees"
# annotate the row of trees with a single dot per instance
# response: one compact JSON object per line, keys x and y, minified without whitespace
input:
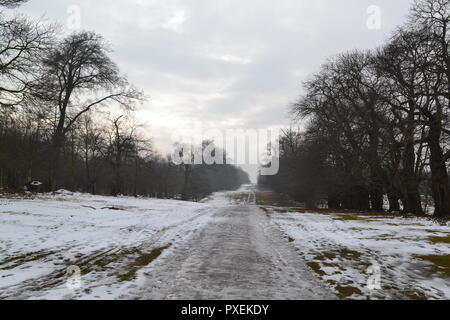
{"x":66,"y":118}
{"x":378,"y":123}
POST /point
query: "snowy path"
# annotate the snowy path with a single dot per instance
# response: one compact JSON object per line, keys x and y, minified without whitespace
{"x":239,"y":254}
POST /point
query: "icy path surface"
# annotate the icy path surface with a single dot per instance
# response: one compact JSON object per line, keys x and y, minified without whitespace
{"x":128,"y":248}
{"x":239,"y":254}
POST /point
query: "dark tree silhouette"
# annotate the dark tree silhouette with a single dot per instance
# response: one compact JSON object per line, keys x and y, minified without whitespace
{"x":377,"y":123}
{"x":79,"y":76}
{"x":10,"y":4}
{"x":22,"y":45}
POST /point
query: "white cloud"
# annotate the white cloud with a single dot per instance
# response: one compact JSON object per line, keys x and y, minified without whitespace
{"x":231,"y":58}
{"x":176,"y":21}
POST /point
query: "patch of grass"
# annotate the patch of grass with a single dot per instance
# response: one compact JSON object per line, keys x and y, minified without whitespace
{"x":98,"y":261}
{"x":427,"y":231}
{"x":330,"y":265}
{"x":441,"y":264}
{"x":350,"y":254}
{"x":390,"y":236}
{"x":25,"y":258}
{"x":378,"y":219}
{"x":411,"y":294}
{"x":316,"y":268}
{"x":342,"y":253}
{"x":325,"y":256}
{"x":268,"y":198}
{"x":114,"y":208}
{"x":345,"y":292}
{"x":338,"y":259}
{"x":102,"y":263}
{"x":238,"y":197}
{"x":298,"y":210}
{"x":141,"y":261}
{"x":437,"y":240}
{"x":281,"y":210}
{"x":361,"y":217}
{"x":348,"y":217}
{"x":343,"y":215}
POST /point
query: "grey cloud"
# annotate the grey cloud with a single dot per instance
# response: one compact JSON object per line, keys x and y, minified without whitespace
{"x":228,"y":59}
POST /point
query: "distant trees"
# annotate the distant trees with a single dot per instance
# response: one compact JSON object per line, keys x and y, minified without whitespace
{"x":378,"y":123}
{"x":199,"y":180}
{"x":104,"y":154}
{"x":124,"y":145}
{"x":66,"y":118}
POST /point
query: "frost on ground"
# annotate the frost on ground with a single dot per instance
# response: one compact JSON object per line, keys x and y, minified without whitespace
{"x":412,"y":255}
{"x":109,"y":239}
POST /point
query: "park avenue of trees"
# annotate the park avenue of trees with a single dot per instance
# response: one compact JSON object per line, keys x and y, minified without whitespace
{"x":378,"y":123}
{"x":56,"y":94}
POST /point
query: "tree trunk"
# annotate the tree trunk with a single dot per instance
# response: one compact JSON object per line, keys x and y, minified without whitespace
{"x":187,"y":176}
{"x":376,"y":196}
{"x":362,"y":199}
{"x":376,"y":172}
{"x":334,"y":202}
{"x":136,"y":174}
{"x":394,"y":202}
{"x":55,"y":165}
{"x":413,"y":203}
{"x":439,"y":174}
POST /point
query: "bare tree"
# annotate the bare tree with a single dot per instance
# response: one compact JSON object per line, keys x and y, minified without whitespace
{"x":93,"y":147}
{"x":51,"y":92}
{"x":431,"y":18}
{"x":79,"y":76}
{"x":382,"y":119}
{"x":22,"y":44}
{"x":123,"y":144}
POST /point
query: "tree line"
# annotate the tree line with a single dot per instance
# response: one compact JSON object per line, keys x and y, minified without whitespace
{"x":67,"y":118}
{"x":377,"y":124}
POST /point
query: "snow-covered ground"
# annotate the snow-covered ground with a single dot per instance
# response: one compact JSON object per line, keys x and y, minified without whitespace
{"x":230,"y":246}
{"x":109,"y":239}
{"x":410,"y":256}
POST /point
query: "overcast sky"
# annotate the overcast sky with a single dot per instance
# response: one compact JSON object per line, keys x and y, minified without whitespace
{"x":225,"y":63}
